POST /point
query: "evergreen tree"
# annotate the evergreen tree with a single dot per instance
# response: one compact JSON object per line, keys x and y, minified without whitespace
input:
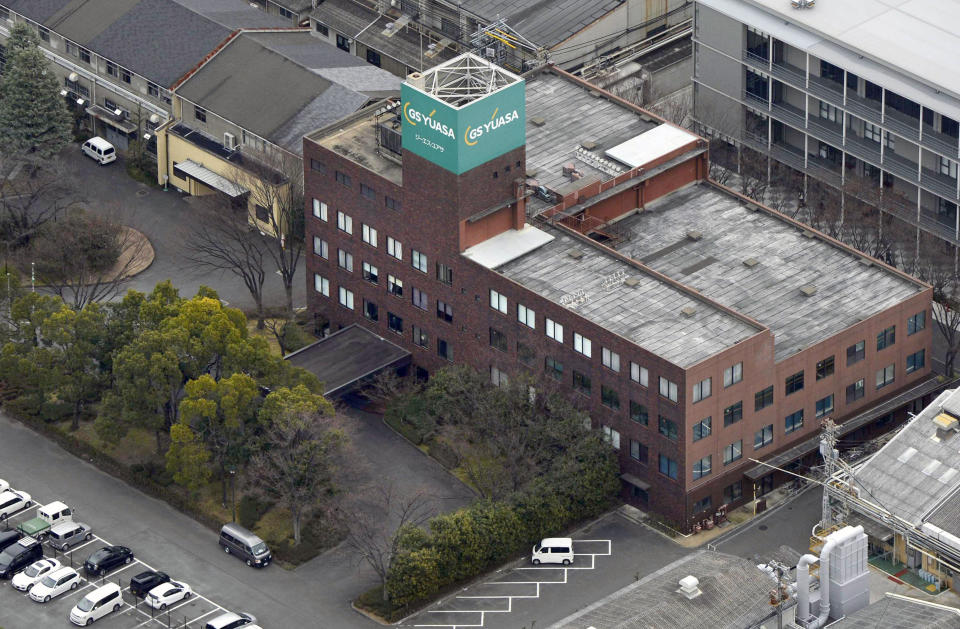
{"x":34,"y":121}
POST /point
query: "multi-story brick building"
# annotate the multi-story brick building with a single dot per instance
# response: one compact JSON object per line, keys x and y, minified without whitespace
{"x":539,"y":224}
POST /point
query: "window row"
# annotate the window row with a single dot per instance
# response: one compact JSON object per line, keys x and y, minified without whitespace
{"x":346,"y":181}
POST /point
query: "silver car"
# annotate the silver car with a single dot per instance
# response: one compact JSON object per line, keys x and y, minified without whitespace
{"x":68,"y":534}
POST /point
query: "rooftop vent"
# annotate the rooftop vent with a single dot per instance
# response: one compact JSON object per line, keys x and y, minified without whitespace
{"x":632,"y":282}
{"x":945,"y":422}
{"x":802,"y":4}
{"x":538,"y":121}
{"x":694,"y":235}
{"x":690,"y":587}
{"x":576,"y":254}
{"x":689,"y":311}
{"x":596,"y":93}
{"x":808,"y":234}
{"x":866,"y":262}
{"x":809,"y":290}
{"x":751,"y":262}
{"x":589,"y":145}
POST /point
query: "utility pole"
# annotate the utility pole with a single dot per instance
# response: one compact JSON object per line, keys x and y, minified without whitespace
{"x":828,"y":450}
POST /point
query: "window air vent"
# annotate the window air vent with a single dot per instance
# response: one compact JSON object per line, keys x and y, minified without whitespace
{"x":689,"y":311}
{"x":809,"y":290}
{"x":751,"y":262}
{"x":537,"y":121}
{"x":589,"y":145}
{"x":576,"y":254}
{"x":808,"y":234}
{"x":694,"y":236}
{"x":632,"y":282}
{"x":596,"y":93}
{"x":866,"y":262}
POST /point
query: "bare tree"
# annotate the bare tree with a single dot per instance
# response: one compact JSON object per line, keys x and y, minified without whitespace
{"x":376,"y":528}
{"x":222,"y":240}
{"x":30,"y":198}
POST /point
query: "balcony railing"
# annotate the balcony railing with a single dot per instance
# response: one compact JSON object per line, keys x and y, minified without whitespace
{"x":789,"y":114}
{"x":826,"y":90}
{"x":756,"y":60}
{"x":902,"y":124}
{"x":790,"y":74}
{"x":863,"y":149}
{"x":946,"y":144}
{"x":941,"y":225}
{"x":787,"y":154}
{"x":900,"y":166}
{"x":862,"y":107}
{"x":939,"y":184}
{"x":824,"y":171}
{"x":825,"y":130}
{"x":750,"y":97}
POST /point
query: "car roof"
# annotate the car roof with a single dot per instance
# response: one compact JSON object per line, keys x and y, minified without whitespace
{"x":556,"y":541}
{"x":103,"y":589}
{"x":56,"y":505}
{"x":99,"y":142}
{"x":63,"y":526}
{"x":62,"y":571}
{"x":223,"y":618}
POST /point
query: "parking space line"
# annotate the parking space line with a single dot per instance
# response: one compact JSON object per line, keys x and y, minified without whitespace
{"x":190,"y":622}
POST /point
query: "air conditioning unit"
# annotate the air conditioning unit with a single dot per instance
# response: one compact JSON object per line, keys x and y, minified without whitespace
{"x":229,"y":141}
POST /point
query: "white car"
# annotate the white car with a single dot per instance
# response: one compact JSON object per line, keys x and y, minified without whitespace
{"x":167,"y":594}
{"x":25,"y":580}
{"x":12,"y":501}
{"x":55,"y":584}
{"x":231,"y":620}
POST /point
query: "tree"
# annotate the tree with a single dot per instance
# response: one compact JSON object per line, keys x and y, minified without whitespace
{"x":378,"y":528}
{"x":295,"y":466}
{"x":28,"y":203}
{"x":34,"y":121}
{"x":187,"y":458}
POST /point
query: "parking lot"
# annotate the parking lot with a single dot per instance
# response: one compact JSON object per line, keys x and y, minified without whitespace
{"x":190,"y":613}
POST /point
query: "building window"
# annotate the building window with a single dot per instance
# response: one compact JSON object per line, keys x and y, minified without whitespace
{"x":948,"y":168}
{"x":554,"y":330}
{"x":199,"y":113}
{"x":420,"y":337}
{"x":887,"y":338}
{"x":287,"y":13}
{"x":371,"y":273}
{"x":373,"y":57}
{"x":444,"y":274}
{"x":153,"y":89}
{"x":320,"y":209}
{"x":419,"y":298}
{"x":394,"y":248}
{"x":700,"y":469}
{"x":322,"y":29}
{"x":317,"y":166}
{"x":701,"y":429}
{"x":639,"y":413}
{"x":582,"y":345}
{"x":343,"y":178}
{"x":794,"y":383}
{"x":793,"y":421}
{"x":668,"y":428}
{"x":444,"y":311}
{"x":262,"y":214}
{"x":369,"y":234}
{"x":668,"y":467}
{"x":346,"y":298}
{"x":345,"y":260}
{"x":526,"y":354}
{"x":609,"y":398}
{"x":84,"y":55}
{"x":733,"y":492}
{"x":498,"y":301}
{"x":526,"y":316}
{"x":553,"y":367}
{"x":610,"y":359}
{"x":732,"y":375}
{"x":916,"y":361}
{"x":125,"y":75}
{"x":733,"y":452}
{"x":855,"y":391}
{"x":371,"y":311}
{"x":344,"y":222}
{"x":825,"y":368}
{"x":418,"y":260}
{"x":763,"y":437}
{"x":639,"y":374}
{"x":581,"y":383}
{"x":917,"y":322}
{"x":872,"y":132}
{"x":825,"y":405}
{"x":367,"y":191}
{"x":668,"y":389}
{"x":702,"y":390}
{"x":394,"y":286}
{"x":320,"y":247}
{"x":112,"y":70}
{"x":885,"y":376}
{"x":321,"y":285}
{"x":733,"y":413}
{"x":395,"y":323}
{"x":639,"y":452}
{"x":611,"y":436}
{"x":391,"y":203}
{"x":444,"y":350}
{"x":498,"y":340}
{"x":856,"y":352}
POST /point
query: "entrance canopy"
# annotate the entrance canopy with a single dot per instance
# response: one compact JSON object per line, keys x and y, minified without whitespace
{"x":207,"y":177}
{"x":348,"y":358}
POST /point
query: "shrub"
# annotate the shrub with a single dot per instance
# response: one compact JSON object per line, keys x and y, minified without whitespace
{"x":250,"y":509}
{"x":275,"y":527}
{"x":420,"y":580}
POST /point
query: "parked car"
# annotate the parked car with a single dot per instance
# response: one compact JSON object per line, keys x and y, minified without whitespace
{"x":97,"y":604}
{"x":16,"y":557}
{"x":99,"y":150}
{"x":141,"y":584}
{"x":48,"y":516}
{"x":55,"y":584}
{"x":68,"y":534}
{"x":12,"y":501}
{"x":106,"y":559}
{"x":553,"y":550}
{"x":8,"y":538}
{"x":239,"y":541}
{"x":167,"y":594}
{"x":230,"y":620}
{"x":34,"y":572}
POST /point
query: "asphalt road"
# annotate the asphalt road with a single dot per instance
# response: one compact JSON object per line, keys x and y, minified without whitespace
{"x":790,"y":524}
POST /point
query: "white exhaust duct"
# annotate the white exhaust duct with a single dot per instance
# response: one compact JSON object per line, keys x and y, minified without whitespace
{"x":856,"y":571}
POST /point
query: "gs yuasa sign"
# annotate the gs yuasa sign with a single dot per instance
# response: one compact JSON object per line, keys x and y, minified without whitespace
{"x":461,"y":138}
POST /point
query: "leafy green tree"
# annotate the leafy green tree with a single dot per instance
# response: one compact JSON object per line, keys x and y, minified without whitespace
{"x":34,"y":121}
{"x":187,"y":459}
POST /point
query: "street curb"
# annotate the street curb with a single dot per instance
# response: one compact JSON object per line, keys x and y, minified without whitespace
{"x":365,"y":613}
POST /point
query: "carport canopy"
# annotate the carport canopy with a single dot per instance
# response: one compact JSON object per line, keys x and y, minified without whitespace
{"x":207,"y":177}
{"x":348,"y":358}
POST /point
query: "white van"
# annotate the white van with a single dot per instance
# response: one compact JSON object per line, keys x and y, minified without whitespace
{"x":553,"y":550}
{"x":97,"y":604}
{"x":100,"y":150}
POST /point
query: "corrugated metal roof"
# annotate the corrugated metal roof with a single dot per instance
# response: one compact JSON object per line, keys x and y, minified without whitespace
{"x":544,"y":22}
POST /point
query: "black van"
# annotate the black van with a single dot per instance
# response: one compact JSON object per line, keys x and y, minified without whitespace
{"x":7,"y":538}
{"x":18,"y":556}
{"x":239,"y":541}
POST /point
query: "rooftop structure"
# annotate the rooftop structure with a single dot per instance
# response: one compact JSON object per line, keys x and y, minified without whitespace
{"x":463,"y":80}
{"x":895,"y":612}
{"x":546,"y":23}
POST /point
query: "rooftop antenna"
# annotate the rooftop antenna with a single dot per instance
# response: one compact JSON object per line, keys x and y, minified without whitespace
{"x":803,"y":4}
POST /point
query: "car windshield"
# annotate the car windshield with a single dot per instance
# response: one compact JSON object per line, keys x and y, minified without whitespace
{"x":6,"y":557}
{"x":85,"y":605}
{"x":33,"y":570}
{"x":260,"y":548}
{"x":99,"y":556}
{"x":48,"y":581}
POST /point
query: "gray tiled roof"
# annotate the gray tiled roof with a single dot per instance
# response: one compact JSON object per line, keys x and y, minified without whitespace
{"x":893,"y":612}
{"x":544,"y":22}
{"x":235,"y":14}
{"x":788,"y":258}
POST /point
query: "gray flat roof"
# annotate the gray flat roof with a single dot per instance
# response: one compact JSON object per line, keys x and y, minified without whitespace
{"x":235,"y":14}
{"x":346,"y":357}
{"x":897,"y":612}
{"x":735,"y":594}
{"x":648,"y":313}
{"x":788,"y":258}
{"x":544,"y":22}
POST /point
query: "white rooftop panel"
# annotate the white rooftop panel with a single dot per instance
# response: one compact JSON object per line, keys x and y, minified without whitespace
{"x":907,"y":454}
{"x":947,"y":476}
{"x":507,"y":246}
{"x":931,"y":467}
{"x":650,"y":145}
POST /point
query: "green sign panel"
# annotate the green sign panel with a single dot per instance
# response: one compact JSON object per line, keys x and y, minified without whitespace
{"x":459,"y":139}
